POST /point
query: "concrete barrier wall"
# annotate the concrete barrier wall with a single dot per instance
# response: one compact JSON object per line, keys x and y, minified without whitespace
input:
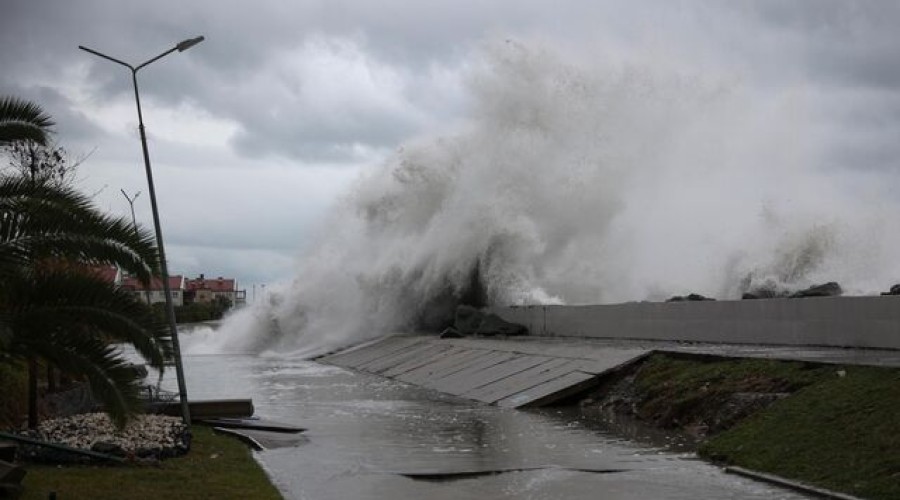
{"x":826,"y":321}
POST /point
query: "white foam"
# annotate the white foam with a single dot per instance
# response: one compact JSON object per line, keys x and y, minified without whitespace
{"x":582,"y":182}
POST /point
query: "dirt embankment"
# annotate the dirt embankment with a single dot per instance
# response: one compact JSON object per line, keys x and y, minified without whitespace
{"x":701,"y":395}
{"x":835,"y":427}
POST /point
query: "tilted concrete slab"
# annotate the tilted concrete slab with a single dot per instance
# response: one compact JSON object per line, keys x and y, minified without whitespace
{"x":472,"y":380}
{"x":536,"y":371}
{"x":430,"y":356}
{"x":450,"y":382}
{"x":524,"y":380}
{"x":452,"y":362}
{"x":550,"y":391}
{"x":503,"y":372}
{"x":358,"y":355}
{"x":397,"y":358}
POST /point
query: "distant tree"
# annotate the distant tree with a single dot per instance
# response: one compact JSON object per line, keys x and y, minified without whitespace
{"x":49,"y":164}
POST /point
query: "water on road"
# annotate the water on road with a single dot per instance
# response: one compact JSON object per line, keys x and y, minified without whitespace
{"x":373,"y":438}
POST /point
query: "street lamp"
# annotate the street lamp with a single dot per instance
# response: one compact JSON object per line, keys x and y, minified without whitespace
{"x":134,"y":224}
{"x":131,"y":204}
{"x":170,"y":307}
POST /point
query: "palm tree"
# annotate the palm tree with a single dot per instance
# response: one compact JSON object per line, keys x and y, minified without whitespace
{"x":72,"y":320}
{"x":22,"y":120}
{"x":51,"y":308}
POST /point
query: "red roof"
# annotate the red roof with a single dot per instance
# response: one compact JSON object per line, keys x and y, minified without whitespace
{"x":132,"y":283}
{"x":219,"y":284}
{"x":106,"y":273}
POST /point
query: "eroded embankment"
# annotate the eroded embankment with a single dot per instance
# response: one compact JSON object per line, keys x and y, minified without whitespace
{"x":836,"y":427}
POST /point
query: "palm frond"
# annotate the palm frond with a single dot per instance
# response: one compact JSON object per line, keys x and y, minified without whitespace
{"x":23,"y":120}
{"x":60,"y":301}
{"x":110,"y":376}
{"x":41,"y":221}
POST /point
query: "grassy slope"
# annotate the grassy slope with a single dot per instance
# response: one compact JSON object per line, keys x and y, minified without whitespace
{"x":216,"y":467}
{"x":679,"y":392}
{"x":841,"y":433}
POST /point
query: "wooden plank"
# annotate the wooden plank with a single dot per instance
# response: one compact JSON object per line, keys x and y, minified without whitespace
{"x":550,"y":391}
{"x":251,"y":424}
{"x":524,"y":380}
{"x":223,"y":408}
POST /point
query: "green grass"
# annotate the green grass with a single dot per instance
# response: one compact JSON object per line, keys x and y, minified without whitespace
{"x":217,"y":467}
{"x":681,"y":391}
{"x":841,"y":433}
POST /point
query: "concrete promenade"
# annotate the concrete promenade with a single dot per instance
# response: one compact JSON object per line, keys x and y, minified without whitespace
{"x":533,"y":371}
{"x":571,"y":347}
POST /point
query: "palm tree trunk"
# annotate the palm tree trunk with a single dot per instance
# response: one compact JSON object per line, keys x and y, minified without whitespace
{"x":32,"y":392}
{"x":51,"y":379}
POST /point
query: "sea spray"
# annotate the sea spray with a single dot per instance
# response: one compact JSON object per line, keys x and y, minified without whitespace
{"x":574,"y":182}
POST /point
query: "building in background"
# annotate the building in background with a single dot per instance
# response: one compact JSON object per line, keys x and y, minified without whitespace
{"x":154,"y":293}
{"x":203,"y":291}
{"x":107,"y":274}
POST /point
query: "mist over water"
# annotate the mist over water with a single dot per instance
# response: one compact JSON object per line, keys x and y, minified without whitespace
{"x":582,"y":182}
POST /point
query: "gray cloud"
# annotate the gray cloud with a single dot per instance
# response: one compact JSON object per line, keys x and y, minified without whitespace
{"x":341,"y":82}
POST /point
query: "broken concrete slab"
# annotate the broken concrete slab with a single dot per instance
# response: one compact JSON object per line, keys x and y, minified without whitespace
{"x":551,"y":391}
{"x":523,"y":380}
{"x":431,"y":355}
{"x":470,"y":380}
{"x":507,"y":373}
{"x":371,"y":351}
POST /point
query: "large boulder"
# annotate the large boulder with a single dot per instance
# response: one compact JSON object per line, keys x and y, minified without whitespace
{"x":467,"y":319}
{"x":492,"y":325}
{"x":691,"y":297}
{"x":451,"y":333}
{"x":472,"y":321}
{"x":764,"y":293}
{"x":830,"y":289}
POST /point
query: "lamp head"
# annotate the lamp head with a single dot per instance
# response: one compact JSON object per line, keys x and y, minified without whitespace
{"x":186,"y":44}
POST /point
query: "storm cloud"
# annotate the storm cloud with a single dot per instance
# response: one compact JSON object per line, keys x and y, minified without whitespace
{"x":261,"y":128}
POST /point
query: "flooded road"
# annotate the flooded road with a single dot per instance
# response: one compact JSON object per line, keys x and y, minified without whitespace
{"x":373,"y":438}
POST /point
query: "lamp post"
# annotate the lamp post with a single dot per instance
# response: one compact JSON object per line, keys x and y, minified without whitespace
{"x":134,"y":223}
{"x":170,"y":307}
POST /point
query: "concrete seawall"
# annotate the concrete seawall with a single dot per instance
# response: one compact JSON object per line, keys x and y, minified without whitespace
{"x":872,"y":322}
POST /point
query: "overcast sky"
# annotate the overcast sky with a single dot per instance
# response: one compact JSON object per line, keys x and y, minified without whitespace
{"x":257,"y":131}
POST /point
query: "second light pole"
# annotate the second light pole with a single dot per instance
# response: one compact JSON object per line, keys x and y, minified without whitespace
{"x":163,"y":267}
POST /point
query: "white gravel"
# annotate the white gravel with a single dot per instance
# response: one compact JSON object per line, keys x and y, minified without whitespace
{"x":145,"y":434}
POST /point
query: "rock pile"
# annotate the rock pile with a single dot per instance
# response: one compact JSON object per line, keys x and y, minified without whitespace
{"x":147,"y":436}
{"x":770,"y":291}
{"x":691,"y":297}
{"x":473,"y":321}
{"x":830,"y":289}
